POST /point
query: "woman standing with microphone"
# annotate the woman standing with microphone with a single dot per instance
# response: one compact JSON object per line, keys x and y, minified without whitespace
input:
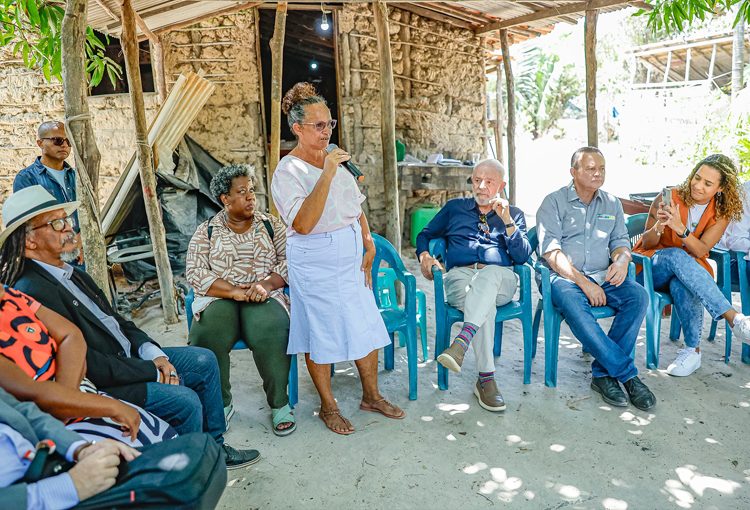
{"x":334,"y":317}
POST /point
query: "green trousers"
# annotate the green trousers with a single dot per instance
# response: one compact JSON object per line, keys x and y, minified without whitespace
{"x":264,"y":327}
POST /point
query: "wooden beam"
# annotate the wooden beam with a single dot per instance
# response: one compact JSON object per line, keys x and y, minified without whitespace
{"x":511,"y":109}
{"x":688,"y":59}
{"x":197,"y":19}
{"x":499,"y":114}
{"x":435,"y":16}
{"x":667,"y":67}
{"x":129,"y":41}
{"x":277,"y":66}
{"x":552,"y":12}
{"x":712,"y":64}
{"x":592,"y":123}
{"x":157,"y":57}
{"x":388,"y":127}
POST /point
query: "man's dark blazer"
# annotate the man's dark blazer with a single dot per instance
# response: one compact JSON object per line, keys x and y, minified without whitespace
{"x":106,"y":363}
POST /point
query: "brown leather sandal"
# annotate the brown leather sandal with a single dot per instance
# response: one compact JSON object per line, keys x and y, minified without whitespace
{"x":335,"y":412}
{"x":364,"y":406}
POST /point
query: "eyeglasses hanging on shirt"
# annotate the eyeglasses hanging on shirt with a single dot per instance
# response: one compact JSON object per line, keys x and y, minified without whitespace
{"x":484,"y":228}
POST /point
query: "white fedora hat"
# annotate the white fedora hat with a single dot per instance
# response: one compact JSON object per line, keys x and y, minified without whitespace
{"x":27,"y":203}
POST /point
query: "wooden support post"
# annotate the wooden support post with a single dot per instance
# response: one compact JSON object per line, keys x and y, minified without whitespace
{"x":711,"y":66}
{"x":499,"y":114}
{"x":157,"y":57}
{"x":511,"y":92}
{"x":388,"y":126}
{"x":81,"y":134}
{"x":129,"y":41}
{"x":688,"y":63}
{"x":277,"y":63}
{"x":590,"y":54}
{"x":666,"y":69}
{"x":738,"y":57}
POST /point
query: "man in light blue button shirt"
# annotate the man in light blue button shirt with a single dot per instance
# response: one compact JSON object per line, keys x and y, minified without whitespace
{"x":583,"y":240}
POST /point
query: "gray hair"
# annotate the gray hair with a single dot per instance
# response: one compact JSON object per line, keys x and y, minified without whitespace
{"x":221,"y":183}
{"x":575,"y":160}
{"x":494,"y":164}
{"x":297,"y":111}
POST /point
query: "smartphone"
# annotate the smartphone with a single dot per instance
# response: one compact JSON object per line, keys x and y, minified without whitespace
{"x":666,"y":195}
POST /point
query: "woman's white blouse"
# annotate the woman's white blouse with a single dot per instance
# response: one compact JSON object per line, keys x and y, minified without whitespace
{"x":294,"y":180}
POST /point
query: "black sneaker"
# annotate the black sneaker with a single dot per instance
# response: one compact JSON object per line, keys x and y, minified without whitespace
{"x":610,"y":390}
{"x":240,"y":458}
{"x":640,"y":396}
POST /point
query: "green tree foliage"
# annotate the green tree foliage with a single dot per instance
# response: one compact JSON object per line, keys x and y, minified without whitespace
{"x":677,"y":15}
{"x":544,"y":90}
{"x":31,"y":29}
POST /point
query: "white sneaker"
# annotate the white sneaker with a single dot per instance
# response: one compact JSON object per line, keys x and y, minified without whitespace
{"x":687,"y":362}
{"x":741,"y":328}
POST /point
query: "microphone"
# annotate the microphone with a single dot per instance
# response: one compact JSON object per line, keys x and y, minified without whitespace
{"x":353,"y":169}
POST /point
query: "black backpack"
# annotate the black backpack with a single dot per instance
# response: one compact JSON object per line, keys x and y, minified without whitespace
{"x":188,"y":472}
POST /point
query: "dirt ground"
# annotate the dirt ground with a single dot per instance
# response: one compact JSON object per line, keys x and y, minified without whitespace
{"x":552,"y":448}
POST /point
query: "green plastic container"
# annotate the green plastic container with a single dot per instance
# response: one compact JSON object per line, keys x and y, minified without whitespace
{"x":420,"y":217}
{"x":400,"y":150}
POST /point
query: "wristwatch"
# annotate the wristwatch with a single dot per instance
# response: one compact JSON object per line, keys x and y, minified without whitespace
{"x":684,"y":234}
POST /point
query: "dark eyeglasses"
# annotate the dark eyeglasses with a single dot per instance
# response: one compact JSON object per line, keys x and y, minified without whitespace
{"x":484,"y":228}
{"x":58,"y":225}
{"x":57,"y":140}
{"x":320,"y":126}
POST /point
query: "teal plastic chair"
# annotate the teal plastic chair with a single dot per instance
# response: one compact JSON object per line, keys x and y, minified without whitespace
{"x":389,"y":301}
{"x":742,"y":271}
{"x":446,"y":315}
{"x":240,"y":344}
{"x":636,"y":224}
{"x":401,"y":320}
{"x":553,"y":318}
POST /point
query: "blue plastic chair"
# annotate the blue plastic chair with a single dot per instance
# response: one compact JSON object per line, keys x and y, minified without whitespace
{"x":446,"y":315}
{"x":401,"y":320}
{"x":240,"y":344}
{"x":742,"y":271}
{"x":389,"y":300}
{"x":553,"y":318}
{"x":636,"y":224}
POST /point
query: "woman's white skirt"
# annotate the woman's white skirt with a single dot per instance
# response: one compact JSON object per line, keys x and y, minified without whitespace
{"x":334,"y":316}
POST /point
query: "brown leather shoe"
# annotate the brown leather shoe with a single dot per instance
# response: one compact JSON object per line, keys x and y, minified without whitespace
{"x":452,"y":358}
{"x":489,"y":396}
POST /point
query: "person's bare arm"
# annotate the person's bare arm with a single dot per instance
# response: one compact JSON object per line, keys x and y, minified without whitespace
{"x":312,"y":207}
{"x":698,"y":247}
{"x":618,"y":269}
{"x":562,"y":266}
{"x":655,"y":225}
{"x":64,"y":403}
{"x":369,"y":246}
{"x":71,"y":347}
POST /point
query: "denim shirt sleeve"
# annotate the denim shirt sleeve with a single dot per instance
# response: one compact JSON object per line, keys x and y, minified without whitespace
{"x":518,"y":244}
{"x":23,"y":180}
{"x":619,"y":237}
{"x":435,"y":229}
{"x":549,"y":226}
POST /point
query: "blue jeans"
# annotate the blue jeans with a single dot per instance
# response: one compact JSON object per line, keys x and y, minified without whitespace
{"x":195,"y":405}
{"x":611,"y":351}
{"x":692,"y":288}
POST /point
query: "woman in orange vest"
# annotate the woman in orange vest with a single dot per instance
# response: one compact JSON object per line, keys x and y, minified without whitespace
{"x":680,"y":232}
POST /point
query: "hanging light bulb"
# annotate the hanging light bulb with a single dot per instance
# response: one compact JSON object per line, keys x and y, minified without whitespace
{"x":314,"y":65}
{"x":324,"y":26}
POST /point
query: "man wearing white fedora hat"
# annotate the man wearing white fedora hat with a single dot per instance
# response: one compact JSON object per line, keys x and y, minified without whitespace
{"x":178,"y":384}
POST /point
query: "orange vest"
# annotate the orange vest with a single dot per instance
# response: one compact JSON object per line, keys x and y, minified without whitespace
{"x":669,"y":238}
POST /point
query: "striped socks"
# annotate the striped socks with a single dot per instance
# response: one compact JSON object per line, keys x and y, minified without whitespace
{"x":486,"y":377}
{"x":464,"y":337}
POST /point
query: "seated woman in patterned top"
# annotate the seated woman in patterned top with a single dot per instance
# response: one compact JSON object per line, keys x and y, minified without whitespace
{"x":236,"y":263}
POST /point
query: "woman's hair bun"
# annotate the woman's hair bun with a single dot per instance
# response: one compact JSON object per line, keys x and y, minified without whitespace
{"x":297,"y":93}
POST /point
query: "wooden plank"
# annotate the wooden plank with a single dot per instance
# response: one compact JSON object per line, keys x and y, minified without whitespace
{"x":129,"y":43}
{"x":511,"y":109}
{"x":552,"y":12}
{"x":435,"y":16}
{"x":592,"y":121}
{"x":688,"y":61}
{"x":277,"y":63}
{"x":262,"y":101}
{"x":667,"y":67}
{"x":197,"y":19}
{"x":388,"y":127}
{"x":499,"y":114}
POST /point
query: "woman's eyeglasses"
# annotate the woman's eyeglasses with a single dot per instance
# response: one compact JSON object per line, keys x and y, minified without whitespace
{"x":57,"y":140}
{"x":58,"y":225}
{"x":320,"y":126}
{"x":484,"y":228}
